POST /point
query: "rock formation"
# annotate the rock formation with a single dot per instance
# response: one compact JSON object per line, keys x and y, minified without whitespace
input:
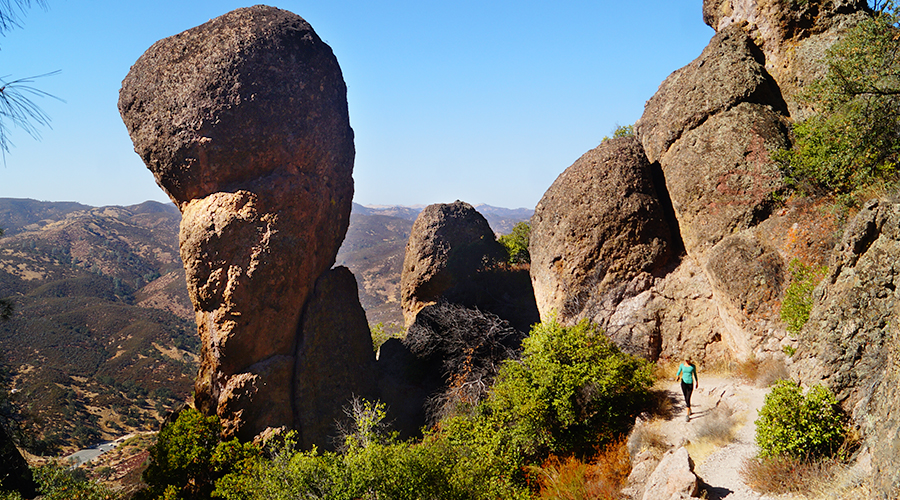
{"x":711,"y":125}
{"x":793,"y":36}
{"x":243,"y":122}
{"x":598,"y":234}
{"x":673,"y":478}
{"x":448,"y":245}
{"x":850,"y":342}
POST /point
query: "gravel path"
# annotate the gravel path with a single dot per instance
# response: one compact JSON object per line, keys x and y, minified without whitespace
{"x":719,"y":469}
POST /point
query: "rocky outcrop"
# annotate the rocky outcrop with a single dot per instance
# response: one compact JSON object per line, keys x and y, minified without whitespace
{"x":335,"y":360}
{"x":711,"y":126}
{"x":598,"y":234}
{"x":673,"y":478}
{"x":450,"y":243}
{"x":243,"y":122}
{"x":850,"y":342}
{"x":793,"y":35}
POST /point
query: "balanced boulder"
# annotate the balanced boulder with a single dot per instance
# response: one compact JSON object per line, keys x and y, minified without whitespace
{"x":243,"y":122}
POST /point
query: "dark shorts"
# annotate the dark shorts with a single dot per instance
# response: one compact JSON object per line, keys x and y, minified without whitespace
{"x":687,"y":389}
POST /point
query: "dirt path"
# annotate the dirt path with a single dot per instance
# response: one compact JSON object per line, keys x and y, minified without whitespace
{"x":719,"y":405}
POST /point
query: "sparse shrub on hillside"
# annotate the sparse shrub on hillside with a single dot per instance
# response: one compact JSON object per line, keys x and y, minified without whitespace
{"x":798,"y":296}
{"x":799,"y":426}
{"x":621,"y":131}
{"x":516,"y":243}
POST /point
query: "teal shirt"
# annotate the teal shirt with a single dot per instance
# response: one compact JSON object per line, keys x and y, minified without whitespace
{"x":687,"y":373}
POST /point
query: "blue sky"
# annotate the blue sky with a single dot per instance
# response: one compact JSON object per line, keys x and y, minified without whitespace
{"x":483,"y":101}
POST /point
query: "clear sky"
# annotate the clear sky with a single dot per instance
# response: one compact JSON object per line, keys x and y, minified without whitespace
{"x":480,"y":100}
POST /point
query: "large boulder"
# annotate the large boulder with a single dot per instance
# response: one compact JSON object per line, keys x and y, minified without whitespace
{"x":794,"y":36}
{"x":673,"y":478}
{"x":728,"y":72}
{"x":450,"y":243}
{"x":720,"y":175}
{"x":243,"y":122}
{"x":850,"y":342}
{"x":598,"y":234}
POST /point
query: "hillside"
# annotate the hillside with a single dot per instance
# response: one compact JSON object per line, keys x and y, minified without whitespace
{"x":102,"y":340}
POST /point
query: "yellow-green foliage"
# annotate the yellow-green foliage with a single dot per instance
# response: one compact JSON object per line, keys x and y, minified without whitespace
{"x":792,"y":424}
{"x":798,"y":296}
{"x":571,"y":392}
{"x":516,"y":243}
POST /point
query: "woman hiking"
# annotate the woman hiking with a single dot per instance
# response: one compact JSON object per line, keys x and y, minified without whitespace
{"x":687,"y":372}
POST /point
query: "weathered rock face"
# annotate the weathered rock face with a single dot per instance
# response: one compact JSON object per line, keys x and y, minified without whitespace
{"x":673,"y":478}
{"x":243,"y":121}
{"x":448,"y":245}
{"x":335,"y":360}
{"x":720,"y":176}
{"x":598,"y":234}
{"x":711,"y":126}
{"x":793,"y":35}
{"x":850,"y":342}
{"x":728,"y":72}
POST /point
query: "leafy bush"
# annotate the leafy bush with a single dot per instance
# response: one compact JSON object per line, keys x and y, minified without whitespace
{"x":516,"y":243}
{"x":572,"y":392}
{"x":188,"y":458}
{"x":853,"y":139}
{"x":795,"y":425}
{"x":798,"y":296}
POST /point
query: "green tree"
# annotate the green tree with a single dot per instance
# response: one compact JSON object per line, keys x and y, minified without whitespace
{"x":516,"y":243}
{"x":188,"y":458}
{"x":853,"y":140}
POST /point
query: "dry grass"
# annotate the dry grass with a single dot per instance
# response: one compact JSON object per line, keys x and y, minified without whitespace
{"x":715,"y":429}
{"x":648,"y":437}
{"x":782,"y":475}
{"x":572,"y":479}
{"x":762,"y":373}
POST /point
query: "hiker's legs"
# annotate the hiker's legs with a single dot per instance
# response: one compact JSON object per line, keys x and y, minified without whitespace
{"x":687,"y":389}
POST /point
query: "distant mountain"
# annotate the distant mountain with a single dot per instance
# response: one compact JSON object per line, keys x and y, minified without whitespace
{"x":103,"y":340}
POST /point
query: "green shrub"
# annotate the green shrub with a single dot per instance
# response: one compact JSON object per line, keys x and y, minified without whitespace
{"x":798,"y":296}
{"x":795,"y":425}
{"x":571,"y":392}
{"x":188,"y":458}
{"x":516,"y":243}
{"x":621,"y":131}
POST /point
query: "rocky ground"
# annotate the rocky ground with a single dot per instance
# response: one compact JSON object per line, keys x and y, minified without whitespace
{"x":720,"y":438}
